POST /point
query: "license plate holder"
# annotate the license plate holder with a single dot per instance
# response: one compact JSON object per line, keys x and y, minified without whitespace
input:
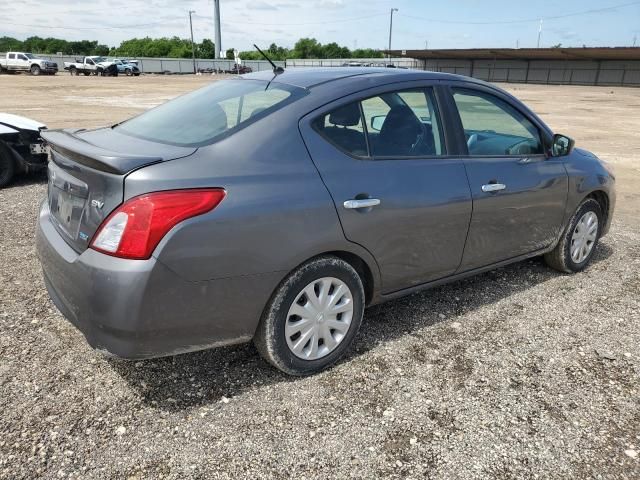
{"x":67,"y":210}
{"x":38,"y":149}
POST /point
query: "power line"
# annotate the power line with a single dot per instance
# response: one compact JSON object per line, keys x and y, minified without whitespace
{"x":321,"y":22}
{"x":528,"y":20}
{"x":124,"y":27}
{"x":88,"y":28}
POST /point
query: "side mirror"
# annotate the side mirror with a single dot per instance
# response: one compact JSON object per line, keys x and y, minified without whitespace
{"x":377,"y":122}
{"x":561,"y":145}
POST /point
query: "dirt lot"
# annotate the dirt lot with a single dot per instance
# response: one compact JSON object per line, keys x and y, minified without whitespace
{"x":517,"y":373}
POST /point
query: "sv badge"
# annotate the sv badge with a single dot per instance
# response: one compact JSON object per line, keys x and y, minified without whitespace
{"x":97,"y":203}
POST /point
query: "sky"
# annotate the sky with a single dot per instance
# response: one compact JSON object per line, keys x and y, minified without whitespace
{"x":352,"y":23}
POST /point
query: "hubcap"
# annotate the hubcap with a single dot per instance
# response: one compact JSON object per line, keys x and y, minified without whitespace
{"x":584,"y":237}
{"x":319,"y":318}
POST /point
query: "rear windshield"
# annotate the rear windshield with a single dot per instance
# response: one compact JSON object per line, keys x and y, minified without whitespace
{"x":203,"y":116}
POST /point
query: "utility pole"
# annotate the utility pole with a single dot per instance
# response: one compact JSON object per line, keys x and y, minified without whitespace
{"x":193,"y":46}
{"x":539,"y":32}
{"x":216,"y":21}
{"x":635,"y":39}
{"x":391,"y":30}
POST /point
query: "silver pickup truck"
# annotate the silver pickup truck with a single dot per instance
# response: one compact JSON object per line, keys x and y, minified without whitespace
{"x":93,"y":65}
{"x":27,"y":62}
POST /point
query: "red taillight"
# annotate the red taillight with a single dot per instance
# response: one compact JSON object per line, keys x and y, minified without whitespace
{"x":134,"y":229}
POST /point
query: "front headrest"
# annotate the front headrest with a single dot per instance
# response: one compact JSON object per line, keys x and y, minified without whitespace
{"x":347,"y":116}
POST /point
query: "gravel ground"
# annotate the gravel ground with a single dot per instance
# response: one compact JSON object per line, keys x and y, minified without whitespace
{"x":518,"y":373}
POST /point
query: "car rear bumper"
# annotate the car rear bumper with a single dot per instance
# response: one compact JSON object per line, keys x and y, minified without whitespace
{"x":140,"y":308}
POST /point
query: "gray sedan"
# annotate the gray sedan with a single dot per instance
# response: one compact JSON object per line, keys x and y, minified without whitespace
{"x":276,"y":207}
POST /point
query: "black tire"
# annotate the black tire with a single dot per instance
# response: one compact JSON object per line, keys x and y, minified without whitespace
{"x":560,"y":257}
{"x":35,"y":70}
{"x":128,"y":72}
{"x":73,"y":71}
{"x":270,"y":339}
{"x":7,"y":168}
{"x":86,"y":74}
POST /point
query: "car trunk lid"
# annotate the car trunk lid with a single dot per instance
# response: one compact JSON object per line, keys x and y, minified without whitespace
{"x":86,"y":176}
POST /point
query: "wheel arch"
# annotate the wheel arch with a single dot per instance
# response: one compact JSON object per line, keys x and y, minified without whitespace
{"x":368,"y":273}
{"x":602,"y":198}
{"x":363,"y":269}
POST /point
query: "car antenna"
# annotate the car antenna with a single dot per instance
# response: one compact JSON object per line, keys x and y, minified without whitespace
{"x":276,"y":70}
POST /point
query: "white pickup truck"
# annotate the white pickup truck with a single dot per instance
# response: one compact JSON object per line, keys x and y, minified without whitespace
{"x":27,"y":62}
{"x":92,"y":66}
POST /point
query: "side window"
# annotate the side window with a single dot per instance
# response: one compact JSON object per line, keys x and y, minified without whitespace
{"x":493,"y":127}
{"x":343,"y":128}
{"x":21,"y":57}
{"x":12,"y":56}
{"x":393,"y":124}
{"x":403,"y":124}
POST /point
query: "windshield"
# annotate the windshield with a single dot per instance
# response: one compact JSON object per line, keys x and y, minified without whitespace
{"x":29,"y":55}
{"x":209,"y":113}
{"x":98,"y":59}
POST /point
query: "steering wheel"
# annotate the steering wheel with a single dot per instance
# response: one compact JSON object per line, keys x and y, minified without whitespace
{"x":522,"y":147}
{"x":473,"y":139}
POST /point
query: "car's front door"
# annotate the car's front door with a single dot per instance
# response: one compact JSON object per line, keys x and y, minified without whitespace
{"x":22,"y":62}
{"x":519,"y":193}
{"x":383,"y":157}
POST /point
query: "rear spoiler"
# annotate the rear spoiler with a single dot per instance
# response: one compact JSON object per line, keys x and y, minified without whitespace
{"x":69,"y":145}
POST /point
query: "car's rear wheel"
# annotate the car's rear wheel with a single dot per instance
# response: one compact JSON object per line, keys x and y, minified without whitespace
{"x":73,"y":71}
{"x":313,"y":317}
{"x":35,"y":70}
{"x":128,"y":72}
{"x":578,"y":243}
{"x":7,"y":167}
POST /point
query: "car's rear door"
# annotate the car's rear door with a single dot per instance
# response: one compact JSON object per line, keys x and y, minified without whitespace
{"x":14,"y":62}
{"x":383,"y":156}
{"x":519,"y":193}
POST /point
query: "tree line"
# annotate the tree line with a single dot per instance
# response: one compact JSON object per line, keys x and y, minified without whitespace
{"x":176,"y":47}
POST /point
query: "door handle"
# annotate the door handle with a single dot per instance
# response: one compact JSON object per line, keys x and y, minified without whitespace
{"x":493,"y":187}
{"x":363,"y":203}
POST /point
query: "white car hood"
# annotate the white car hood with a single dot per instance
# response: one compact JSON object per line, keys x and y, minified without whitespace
{"x":8,"y":120}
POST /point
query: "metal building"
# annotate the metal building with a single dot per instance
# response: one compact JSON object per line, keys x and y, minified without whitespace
{"x":559,"y":66}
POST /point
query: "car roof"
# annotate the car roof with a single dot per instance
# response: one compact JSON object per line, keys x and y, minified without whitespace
{"x":313,"y":76}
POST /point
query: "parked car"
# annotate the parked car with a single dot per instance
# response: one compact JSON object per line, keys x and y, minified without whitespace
{"x":27,"y":62}
{"x":239,"y":69}
{"x":127,"y":68}
{"x":276,"y":208}
{"x":92,"y":66}
{"x":21,"y":147}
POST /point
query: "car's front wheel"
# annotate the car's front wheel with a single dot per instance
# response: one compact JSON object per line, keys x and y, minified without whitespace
{"x":578,"y":243}
{"x":313,"y":317}
{"x":7,"y":167}
{"x":35,"y":70}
